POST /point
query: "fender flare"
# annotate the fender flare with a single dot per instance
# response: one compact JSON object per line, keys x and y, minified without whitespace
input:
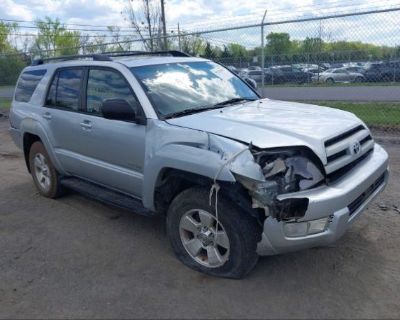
{"x":182,"y":157}
{"x":32,"y":126}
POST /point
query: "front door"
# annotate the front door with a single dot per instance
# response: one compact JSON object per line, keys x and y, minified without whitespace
{"x":112,"y":151}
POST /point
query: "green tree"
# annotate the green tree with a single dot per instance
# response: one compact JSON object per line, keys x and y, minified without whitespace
{"x":208,"y":51}
{"x":278,"y":43}
{"x":5,"y":30}
{"x":310,"y":45}
{"x":53,"y":39}
{"x":68,"y":43}
{"x":192,"y":44}
{"x":11,"y":61}
{"x":225,"y":54}
{"x":237,"y":50}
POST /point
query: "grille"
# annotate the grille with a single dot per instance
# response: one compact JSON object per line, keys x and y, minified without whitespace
{"x":360,"y":200}
{"x":346,"y":150}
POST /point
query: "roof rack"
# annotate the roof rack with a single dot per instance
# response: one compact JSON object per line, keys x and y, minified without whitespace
{"x":173,"y":53}
{"x":106,"y":56}
{"x":95,"y":57}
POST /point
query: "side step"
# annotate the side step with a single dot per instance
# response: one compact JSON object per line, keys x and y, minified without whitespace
{"x":105,"y":195}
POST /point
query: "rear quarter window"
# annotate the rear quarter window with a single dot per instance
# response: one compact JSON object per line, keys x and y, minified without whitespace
{"x":27,"y":84}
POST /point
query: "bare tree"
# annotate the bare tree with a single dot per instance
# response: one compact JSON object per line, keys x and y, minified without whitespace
{"x":146,"y":22}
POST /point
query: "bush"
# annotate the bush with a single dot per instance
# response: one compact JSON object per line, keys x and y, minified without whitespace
{"x":10,"y":68}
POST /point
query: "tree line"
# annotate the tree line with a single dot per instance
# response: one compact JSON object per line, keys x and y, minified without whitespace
{"x":54,"y":39}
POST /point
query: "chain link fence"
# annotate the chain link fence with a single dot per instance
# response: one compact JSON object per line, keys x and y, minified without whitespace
{"x":347,"y":61}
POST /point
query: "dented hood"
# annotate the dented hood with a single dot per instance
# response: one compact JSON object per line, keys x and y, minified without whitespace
{"x":269,"y":123}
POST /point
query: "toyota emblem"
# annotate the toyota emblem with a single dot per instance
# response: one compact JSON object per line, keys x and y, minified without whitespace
{"x":356,"y":147}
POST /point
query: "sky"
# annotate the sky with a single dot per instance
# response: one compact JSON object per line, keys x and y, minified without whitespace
{"x":205,"y":15}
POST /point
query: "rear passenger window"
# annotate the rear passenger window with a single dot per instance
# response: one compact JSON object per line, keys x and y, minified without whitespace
{"x":106,"y":84}
{"x":27,"y":84}
{"x":65,"y":89}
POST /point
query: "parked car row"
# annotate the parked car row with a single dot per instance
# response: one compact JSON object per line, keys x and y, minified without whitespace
{"x":379,"y":71}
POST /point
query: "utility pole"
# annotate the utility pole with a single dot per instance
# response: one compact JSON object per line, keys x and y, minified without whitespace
{"x":179,"y":38}
{"x":262,"y":54}
{"x":164,"y":25}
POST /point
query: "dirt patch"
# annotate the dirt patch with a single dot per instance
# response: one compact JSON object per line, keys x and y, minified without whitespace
{"x":75,"y":258}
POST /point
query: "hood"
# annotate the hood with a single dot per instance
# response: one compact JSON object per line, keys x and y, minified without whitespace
{"x":270,"y":123}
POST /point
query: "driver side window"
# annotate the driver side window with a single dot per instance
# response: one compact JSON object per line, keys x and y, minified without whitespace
{"x":107,"y":84}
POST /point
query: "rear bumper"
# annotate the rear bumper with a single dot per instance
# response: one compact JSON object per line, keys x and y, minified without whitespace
{"x":342,"y":201}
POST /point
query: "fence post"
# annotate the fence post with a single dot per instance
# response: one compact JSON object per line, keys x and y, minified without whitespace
{"x":179,"y":38}
{"x":262,"y":54}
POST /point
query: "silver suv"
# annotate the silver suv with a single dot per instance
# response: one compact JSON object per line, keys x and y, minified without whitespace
{"x":236,"y":176}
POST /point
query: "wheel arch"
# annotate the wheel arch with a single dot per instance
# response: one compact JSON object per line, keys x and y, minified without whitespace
{"x":32,"y":131}
{"x":171,"y":182}
{"x":27,"y":141}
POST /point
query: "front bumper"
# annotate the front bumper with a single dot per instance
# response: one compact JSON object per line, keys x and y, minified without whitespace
{"x":343,"y":201}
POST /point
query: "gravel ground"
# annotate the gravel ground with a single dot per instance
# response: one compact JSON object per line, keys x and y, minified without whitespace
{"x":76,"y":258}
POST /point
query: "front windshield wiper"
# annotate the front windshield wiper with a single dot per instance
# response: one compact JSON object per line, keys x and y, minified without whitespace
{"x":191,"y":111}
{"x":233,"y":100}
{"x":201,"y":109}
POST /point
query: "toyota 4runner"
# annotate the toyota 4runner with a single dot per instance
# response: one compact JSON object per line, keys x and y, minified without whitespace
{"x":235,"y":175}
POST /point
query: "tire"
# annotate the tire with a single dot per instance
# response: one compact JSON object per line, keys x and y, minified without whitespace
{"x":330,"y":81}
{"x":45,"y":176}
{"x":237,"y":253}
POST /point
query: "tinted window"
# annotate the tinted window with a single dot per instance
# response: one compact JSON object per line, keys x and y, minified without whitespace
{"x":106,"y":84}
{"x":27,"y":84}
{"x":65,"y":89}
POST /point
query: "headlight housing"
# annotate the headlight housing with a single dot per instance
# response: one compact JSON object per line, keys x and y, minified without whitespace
{"x":293,"y":170}
{"x":284,"y":171}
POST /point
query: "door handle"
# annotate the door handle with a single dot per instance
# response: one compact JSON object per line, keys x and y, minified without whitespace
{"x":47,"y":115}
{"x":86,"y":124}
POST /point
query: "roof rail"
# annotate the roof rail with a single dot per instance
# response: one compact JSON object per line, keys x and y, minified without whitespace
{"x":106,"y":56}
{"x":95,"y":57}
{"x":173,"y":53}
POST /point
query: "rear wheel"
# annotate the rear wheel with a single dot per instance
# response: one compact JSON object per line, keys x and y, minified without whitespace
{"x":225,"y":247}
{"x":45,"y":176}
{"x":330,"y":81}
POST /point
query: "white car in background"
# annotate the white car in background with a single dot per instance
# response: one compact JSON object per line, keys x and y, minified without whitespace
{"x":338,"y":75}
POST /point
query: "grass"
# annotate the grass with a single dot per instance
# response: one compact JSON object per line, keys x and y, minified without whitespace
{"x":375,"y":114}
{"x":5,"y":104}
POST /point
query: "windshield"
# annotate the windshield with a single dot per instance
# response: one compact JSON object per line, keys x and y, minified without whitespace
{"x":180,"y":87}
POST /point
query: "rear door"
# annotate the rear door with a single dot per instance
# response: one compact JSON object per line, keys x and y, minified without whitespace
{"x":63,"y":115}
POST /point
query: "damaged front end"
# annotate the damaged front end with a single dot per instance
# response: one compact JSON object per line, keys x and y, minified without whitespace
{"x":280,"y":171}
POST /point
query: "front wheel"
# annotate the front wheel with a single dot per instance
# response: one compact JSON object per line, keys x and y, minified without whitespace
{"x":225,"y":247}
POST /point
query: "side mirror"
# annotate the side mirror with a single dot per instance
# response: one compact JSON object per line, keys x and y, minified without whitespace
{"x":251,"y":82}
{"x":118,"y":109}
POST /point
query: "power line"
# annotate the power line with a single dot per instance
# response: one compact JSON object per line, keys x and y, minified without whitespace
{"x":53,"y":22}
{"x":62,"y":25}
{"x":202,"y":33}
{"x":61,"y":35}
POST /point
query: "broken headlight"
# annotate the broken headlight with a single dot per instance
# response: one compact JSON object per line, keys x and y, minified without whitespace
{"x":291,"y":170}
{"x":283,"y":171}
